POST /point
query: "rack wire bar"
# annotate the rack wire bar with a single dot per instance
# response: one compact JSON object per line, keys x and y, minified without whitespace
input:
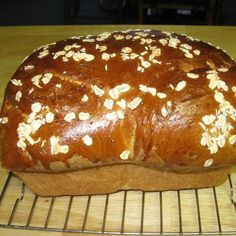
{"x":123,"y":213}
{"x":105,"y":213}
{"x":217,"y":210}
{"x":49,"y":213}
{"x":180,"y":213}
{"x":31,"y":211}
{"x":232,"y":192}
{"x":161,"y":214}
{"x":142,"y":213}
{"x":68,"y":213}
{"x":86,"y":213}
{"x":16,"y":204}
{"x":198,"y":212}
{"x":13,"y":212}
{"x":145,"y":213}
{"x":5,"y":186}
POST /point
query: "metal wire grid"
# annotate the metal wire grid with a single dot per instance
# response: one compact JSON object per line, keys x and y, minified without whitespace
{"x":103,"y":230}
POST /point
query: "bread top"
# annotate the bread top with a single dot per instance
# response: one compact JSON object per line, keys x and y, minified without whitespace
{"x":153,"y":98}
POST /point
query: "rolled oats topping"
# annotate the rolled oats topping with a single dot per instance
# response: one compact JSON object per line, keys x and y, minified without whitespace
{"x":217,"y":127}
{"x":114,"y":80}
{"x":232,"y":139}
{"x":208,"y":119}
{"x":56,"y":148}
{"x":84,"y":115}
{"x":119,"y":36}
{"x":169,"y":103}
{"x":121,"y":103}
{"x":164,"y":112}
{"x":46,"y":78}
{"x":116,"y":91}
{"x":43,"y":54}
{"x":4,"y":120}
{"x":163,"y":41}
{"x":125,"y":155}
{"x":219,"y":97}
{"x":173,"y":42}
{"x":186,"y":46}
{"x":36,"y":107}
{"x":108,"y":103}
{"x":120,"y":114}
{"x":25,"y":131}
{"x":111,"y":116}
{"x":105,"y":56}
{"x":18,"y":96}
{"x":208,"y":163}
{"x":36,"y":80}
{"x":147,"y":89}
{"x":102,"y":48}
{"x":215,"y":81}
{"x":99,"y":92}
{"x":49,"y":117}
{"x":193,"y":75}
{"x":180,"y":86}
{"x":87,"y":140}
{"x":188,"y":55}
{"x":85,"y":98}
{"x":70,"y":116}
{"x":222,"y":69}
{"x":28,"y":67}
{"x":21,"y":144}
{"x":197,"y":52}
{"x":135,"y":103}
{"x":17,"y":82}
{"x":161,"y":95}
{"x":127,"y":50}
{"x":58,"y":86}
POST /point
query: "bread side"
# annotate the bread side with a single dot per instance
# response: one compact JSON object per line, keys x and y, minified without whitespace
{"x":109,"y":179}
{"x":152,"y":98}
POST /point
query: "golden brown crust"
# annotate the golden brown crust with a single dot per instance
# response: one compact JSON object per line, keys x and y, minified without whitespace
{"x":113,"y":178}
{"x":136,"y":96}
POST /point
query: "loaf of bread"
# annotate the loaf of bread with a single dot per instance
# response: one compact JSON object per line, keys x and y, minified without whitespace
{"x":135,"y":109}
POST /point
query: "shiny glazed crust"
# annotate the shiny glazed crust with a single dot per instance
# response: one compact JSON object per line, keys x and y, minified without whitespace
{"x":150,"y":98}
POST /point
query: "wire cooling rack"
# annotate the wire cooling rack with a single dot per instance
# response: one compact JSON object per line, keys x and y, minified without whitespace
{"x":208,"y":211}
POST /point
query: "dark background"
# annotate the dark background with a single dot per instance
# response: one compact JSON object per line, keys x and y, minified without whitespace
{"x":59,"y":12}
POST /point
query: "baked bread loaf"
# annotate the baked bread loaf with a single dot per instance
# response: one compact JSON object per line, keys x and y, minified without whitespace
{"x":136,"y":109}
